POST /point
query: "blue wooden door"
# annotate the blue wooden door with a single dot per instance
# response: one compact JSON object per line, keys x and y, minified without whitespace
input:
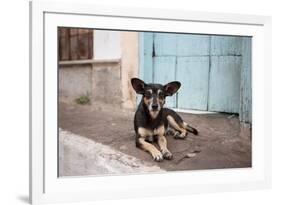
{"x":225,"y":73}
{"x":164,"y":61}
{"x":193,"y":73}
{"x":209,"y":68}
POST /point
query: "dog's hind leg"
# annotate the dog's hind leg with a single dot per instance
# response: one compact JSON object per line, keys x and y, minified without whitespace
{"x":177,"y":126}
{"x":190,"y":129}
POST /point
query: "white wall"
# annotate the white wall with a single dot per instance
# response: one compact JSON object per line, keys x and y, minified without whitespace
{"x":15,"y":93}
{"x":120,"y":45}
{"x":107,"y":44}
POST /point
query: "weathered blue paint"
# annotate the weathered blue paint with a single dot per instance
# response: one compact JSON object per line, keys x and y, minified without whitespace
{"x":215,"y":71}
{"x":141,"y":62}
{"x":192,"y":45}
{"x":226,"y":45}
{"x":141,"y":69}
{"x":193,"y":73}
{"x":145,"y":58}
{"x":164,"y":72}
{"x":165,"y":44}
{"x":224,"y":84}
{"x":148,"y":61}
{"x":246,"y":82}
{"x":225,"y":74}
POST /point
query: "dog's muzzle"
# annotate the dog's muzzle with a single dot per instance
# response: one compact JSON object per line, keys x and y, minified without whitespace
{"x":155,"y":107}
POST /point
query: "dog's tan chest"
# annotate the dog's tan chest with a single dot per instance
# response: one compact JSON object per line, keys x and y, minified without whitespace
{"x":144,"y":132}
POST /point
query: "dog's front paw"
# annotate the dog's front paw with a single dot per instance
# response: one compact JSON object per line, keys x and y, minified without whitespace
{"x":167,"y":154}
{"x":157,"y":156}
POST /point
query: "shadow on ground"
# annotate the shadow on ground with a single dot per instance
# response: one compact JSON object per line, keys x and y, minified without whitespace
{"x":221,"y":142}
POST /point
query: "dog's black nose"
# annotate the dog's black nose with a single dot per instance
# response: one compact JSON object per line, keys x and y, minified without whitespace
{"x":155,"y":107}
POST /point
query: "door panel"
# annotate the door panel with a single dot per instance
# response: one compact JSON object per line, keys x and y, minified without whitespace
{"x":193,"y":73}
{"x":224,"y":85}
{"x":147,"y":58}
{"x":192,"y":45}
{"x":221,"y":45}
{"x":165,"y":44}
{"x":164,"y":72}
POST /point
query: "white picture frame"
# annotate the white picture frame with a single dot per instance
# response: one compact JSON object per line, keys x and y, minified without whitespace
{"x":46,"y":187}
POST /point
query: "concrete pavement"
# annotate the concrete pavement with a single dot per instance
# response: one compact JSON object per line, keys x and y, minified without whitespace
{"x":222,"y":142}
{"x":80,"y":156}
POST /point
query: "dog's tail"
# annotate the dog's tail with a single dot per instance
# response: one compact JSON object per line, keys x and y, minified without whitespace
{"x":190,"y":129}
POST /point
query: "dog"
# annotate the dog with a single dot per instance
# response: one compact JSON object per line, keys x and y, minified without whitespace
{"x":152,"y":122}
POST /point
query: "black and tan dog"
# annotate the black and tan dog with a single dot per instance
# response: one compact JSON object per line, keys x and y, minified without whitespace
{"x":152,"y":121}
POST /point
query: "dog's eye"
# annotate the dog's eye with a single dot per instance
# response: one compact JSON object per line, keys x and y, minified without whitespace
{"x":161,"y":95}
{"x":148,"y":94}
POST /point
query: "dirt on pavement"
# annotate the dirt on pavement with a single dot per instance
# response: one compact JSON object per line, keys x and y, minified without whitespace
{"x":221,"y":143}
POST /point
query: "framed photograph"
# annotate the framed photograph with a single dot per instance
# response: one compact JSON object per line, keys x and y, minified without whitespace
{"x":130,"y":102}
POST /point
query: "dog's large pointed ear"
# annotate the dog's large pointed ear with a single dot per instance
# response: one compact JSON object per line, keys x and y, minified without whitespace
{"x":138,"y":85}
{"x":172,"y":87}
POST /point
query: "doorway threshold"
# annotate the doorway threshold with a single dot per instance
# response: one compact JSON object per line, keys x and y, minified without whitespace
{"x":194,"y":111}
